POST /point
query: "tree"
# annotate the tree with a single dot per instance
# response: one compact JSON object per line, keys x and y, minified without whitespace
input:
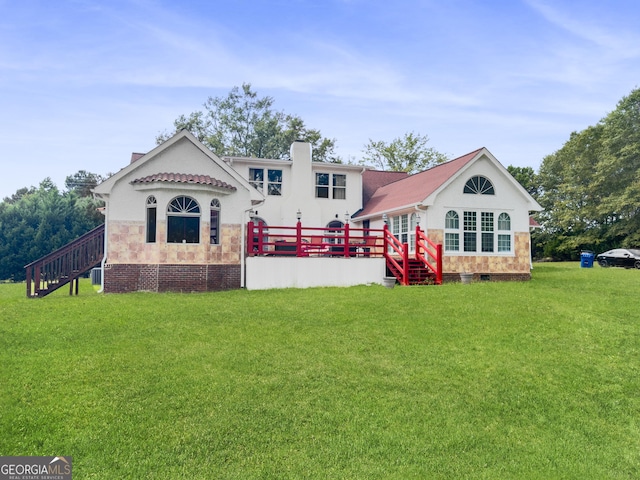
{"x":403,"y":154}
{"x":526,"y":176}
{"x":590,"y":188}
{"x":243,"y":124}
{"x":37,"y":221}
{"x":83,"y":182}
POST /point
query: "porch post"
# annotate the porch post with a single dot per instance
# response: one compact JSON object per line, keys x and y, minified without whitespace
{"x":439,"y":263}
{"x":347,"y":249}
{"x":250,"y":228}
{"x":299,"y":238}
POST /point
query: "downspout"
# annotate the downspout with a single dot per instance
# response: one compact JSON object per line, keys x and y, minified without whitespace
{"x":104,"y":255}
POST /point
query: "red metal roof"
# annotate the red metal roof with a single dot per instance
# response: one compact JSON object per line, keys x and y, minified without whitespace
{"x":413,"y":189}
{"x":372,"y":180}
{"x":184,"y":178}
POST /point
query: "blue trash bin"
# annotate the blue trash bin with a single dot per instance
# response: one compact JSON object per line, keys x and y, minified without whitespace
{"x":586,"y":259}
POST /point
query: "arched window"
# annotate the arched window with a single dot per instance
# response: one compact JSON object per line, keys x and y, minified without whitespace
{"x":504,"y":232}
{"x":183,"y":220}
{"x":214,"y":231}
{"x":452,"y":231}
{"x":479,"y":185}
{"x":152,"y":216}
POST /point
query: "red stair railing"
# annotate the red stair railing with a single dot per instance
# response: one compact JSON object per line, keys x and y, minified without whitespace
{"x":432,"y":257}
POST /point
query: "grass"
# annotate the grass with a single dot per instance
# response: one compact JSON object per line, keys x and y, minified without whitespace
{"x":537,"y":380}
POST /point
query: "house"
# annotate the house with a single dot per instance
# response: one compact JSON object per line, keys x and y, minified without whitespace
{"x":472,"y":205}
{"x":177,"y":218}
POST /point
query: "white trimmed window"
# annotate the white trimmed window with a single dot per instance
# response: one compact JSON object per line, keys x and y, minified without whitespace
{"x":413,"y":223}
{"x":504,"y":232}
{"x":470,"y":231}
{"x":487,"y":235}
{"x":400,"y":227}
{"x":214,"y":224}
{"x":331,"y":186}
{"x":274,"y":180}
{"x":452,"y":231}
{"x":183,"y":220}
{"x":480,"y":232}
{"x":152,"y":218}
{"x":479,"y":185}
{"x":339,"y":187}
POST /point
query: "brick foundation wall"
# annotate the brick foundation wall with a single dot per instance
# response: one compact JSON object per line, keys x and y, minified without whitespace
{"x":489,"y":277}
{"x":122,"y":278}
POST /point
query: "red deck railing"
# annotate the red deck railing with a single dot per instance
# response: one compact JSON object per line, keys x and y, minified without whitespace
{"x":65,"y":264}
{"x":300,"y":241}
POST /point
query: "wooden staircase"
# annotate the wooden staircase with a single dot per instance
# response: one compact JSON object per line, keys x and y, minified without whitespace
{"x":424,"y":267}
{"x":65,"y":265}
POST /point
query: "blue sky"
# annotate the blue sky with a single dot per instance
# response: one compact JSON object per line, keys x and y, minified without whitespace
{"x":84,"y":83}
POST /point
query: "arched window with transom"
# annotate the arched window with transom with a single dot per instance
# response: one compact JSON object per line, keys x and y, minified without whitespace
{"x":479,"y":185}
{"x":504,"y":232}
{"x":183,"y":220}
{"x":152,"y":217}
{"x":214,"y":232}
{"x":452,"y":231}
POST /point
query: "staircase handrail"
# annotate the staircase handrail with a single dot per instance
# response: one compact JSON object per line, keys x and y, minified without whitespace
{"x":65,"y":264}
{"x":433,"y":250}
{"x":402,"y":249}
{"x":99,"y":230}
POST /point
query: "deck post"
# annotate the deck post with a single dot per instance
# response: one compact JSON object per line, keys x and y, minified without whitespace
{"x":439,"y":264}
{"x":347,"y":249}
{"x":299,"y":238}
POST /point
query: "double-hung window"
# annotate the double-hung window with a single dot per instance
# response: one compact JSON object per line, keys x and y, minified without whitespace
{"x":486,"y":225}
{"x":331,"y":186}
{"x":452,"y":231}
{"x":480,"y":232}
{"x":470,"y":227}
{"x":504,"y":232}
{"x":273,"y":180}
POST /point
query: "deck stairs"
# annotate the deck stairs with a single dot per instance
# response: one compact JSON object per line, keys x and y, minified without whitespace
{"x":422,"y":266}
{"x":65,"y":265}
{"x":417,"y":272}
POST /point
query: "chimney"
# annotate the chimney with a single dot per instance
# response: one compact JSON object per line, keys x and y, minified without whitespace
{"x":136,"y":156}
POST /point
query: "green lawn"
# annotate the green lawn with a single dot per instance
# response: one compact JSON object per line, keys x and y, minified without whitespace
{"x":537,"y":379}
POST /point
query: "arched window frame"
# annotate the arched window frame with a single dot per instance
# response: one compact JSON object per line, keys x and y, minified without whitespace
{"x":151,"y":219}
{"x":479,"y":185}
{"x":505,"y":234}
{"x":183,"y":220}
{"x":214,"y":222}
{"x":452,"y":231}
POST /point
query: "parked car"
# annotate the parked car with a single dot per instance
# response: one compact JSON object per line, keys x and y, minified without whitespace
{"x":620,"y":257}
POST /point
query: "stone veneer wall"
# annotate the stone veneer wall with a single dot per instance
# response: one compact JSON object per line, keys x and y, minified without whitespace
{"x":126,"y":244}
{"x":490,"y":267}
{"x":133,"y":264}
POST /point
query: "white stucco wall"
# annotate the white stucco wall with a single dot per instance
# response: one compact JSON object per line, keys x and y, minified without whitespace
{"x":506,"y":199}
{"x":292,"y":272}
{"x":298,"y":189}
